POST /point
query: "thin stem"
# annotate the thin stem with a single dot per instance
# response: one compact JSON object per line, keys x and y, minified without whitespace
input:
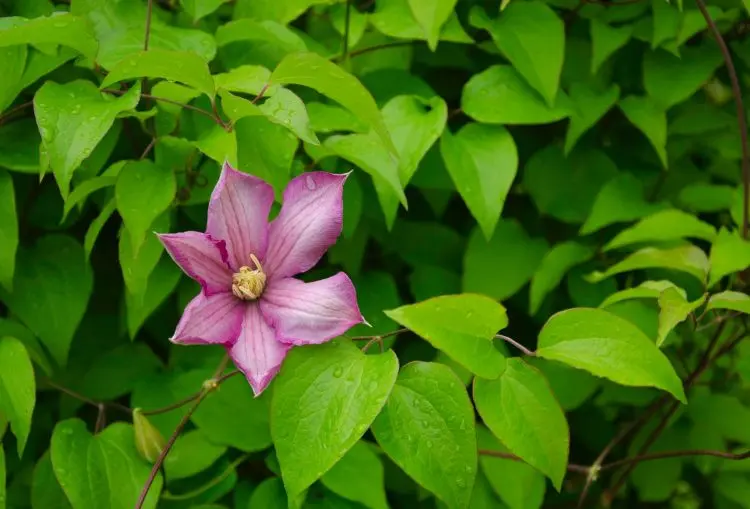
{"x":741,"y":120}
{"x":85,"y":399}
{"x":345,"y":44}
{"x":173,"y":406}
{"x":170,"y":101}
{"x":516,"y":344}
{"x":210,"y":484}
{"x":149,"y":12}
{"x":377,"y":47}
{"x":572,"y":467}
{"x":261,"y":93}
{"x":675,"y":454}
{"x":381,"y":336}
{"x":148,"y":148}
{"x":15,"y":110}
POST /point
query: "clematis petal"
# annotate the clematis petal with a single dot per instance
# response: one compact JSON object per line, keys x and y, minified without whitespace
{"x":309,"y":223}
{"x":201,"y":257}
{"x":210,"y":319}
{"x":257,"y":353}
{"x":238,"y":214}
{"x":310,"y":313}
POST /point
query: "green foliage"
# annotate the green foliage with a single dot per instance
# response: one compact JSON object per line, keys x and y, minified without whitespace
{"x":543,"y":222}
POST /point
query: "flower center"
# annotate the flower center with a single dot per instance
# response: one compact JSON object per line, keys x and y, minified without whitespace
{"x":248,"y":284}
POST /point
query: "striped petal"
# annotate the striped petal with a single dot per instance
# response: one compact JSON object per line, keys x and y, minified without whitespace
{"x":201,"y":257}
{"x":210,"y":319}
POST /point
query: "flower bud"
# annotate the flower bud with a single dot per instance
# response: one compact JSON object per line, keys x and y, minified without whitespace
{"x":148,"y":440}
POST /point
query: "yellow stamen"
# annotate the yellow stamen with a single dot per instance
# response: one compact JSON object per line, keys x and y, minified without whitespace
{"x":248,"y":284}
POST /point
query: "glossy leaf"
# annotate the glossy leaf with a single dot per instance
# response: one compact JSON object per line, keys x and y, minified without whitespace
{"x":520,"y":410}
{"x":285,"y":108}
{"x":607,"y":346}
{"x":674,"y":308}
{"x":685,"y":258}
{"x":431,"y":16}
{"x":17,"y":390}
{"x":734,"y":301}
{"x":670,"y":224}
{"x":61,"y":28}
{"x":462,"y":326}
{"x":325,"y":399}
{"x":427,"y":429}
{"x":646,"y":290}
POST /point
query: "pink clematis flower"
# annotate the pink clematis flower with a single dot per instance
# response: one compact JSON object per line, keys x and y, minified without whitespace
{"x":249,"y":300}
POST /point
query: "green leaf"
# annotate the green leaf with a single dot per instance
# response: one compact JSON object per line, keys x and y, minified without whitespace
{"x":281,"y":12}
{"x":555,"y":264}
{"x":674,"y":308}
{"x":161,"y":283}
{"x":3,"y":481}
{"x":571,"y":386}
{"x":60,"y":28}
{"x":144,"y":190}
{"x":685,"y":258}
{"x":96,"y":226}
{"x":605,"y":40}
{"x":589,"y":106}
{"x":395,"y":18}
{"x":327,"y":78}
{"x":181,"y":66}
{"x":499,"y":95}
{"x":19,"y":146}
{"x":532,"y":37}
{"x":46,"y":492}
{"x":191,"y":454}
{"x":117,"y":372}
{"x":83,"y":190}
{"x":730,"y":253}
{"x":415,"y":125}
{"x":650,"y":119}
{"x":427,"y":429}
{"x":201,"y":8}
{"x":13,"y":59}
{"x":326,"y":396}
{"x":482,"y":160}
{"x":734,"y":301}
{"x":607,"y":346}
{"x":518,"y":484}
{"x":462,"y":326}
{"x":569,"y":191}
{"x":52,"y":286}
{"x":359,"y":477}
{"x":520,"y":410}
{"x":619,"y":200}
{"x":248,"y":79}
{"x":695,"y":67}
{"x":17,"y":390}
{"x":666,"y":225}
{"x":269,"y":494}
{"x":236,"y":108}
{"x":431,"y":16}
{"x":500,"y":267}
{"x":701,"y":197}
{"x":286,"y":109}
{"x":646,"y":290}
{"x":266,"y":150}
{"x":8,"y":230}
{"x":72,"y":119}
{"x":103,"y":470}
{"x":136,"y":268}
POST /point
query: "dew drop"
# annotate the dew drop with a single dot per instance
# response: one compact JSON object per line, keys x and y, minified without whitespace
{"x":428,"y":444}
{"x":372,"y":385}
{"x":338,"y":372}
{"x":460,"y":483}
{"x":408,"y":438}
{"x":310,"y":183}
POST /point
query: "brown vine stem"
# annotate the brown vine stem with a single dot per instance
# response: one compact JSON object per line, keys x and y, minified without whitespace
{"x":741,"y":119}
{"x":149,"y":12}
{"x":516,"y":344}
{"x":5,"y":116}
{"x":377,"y":47}
{"x":170,"y":101}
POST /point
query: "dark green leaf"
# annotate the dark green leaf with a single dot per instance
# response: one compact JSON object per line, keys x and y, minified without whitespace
{"x":555,"y":264}
{"x":8,"y":230}
{"x":17,"y":390}
{"x":358,"y":476}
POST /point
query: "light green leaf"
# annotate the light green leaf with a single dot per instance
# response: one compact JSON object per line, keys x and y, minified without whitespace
{"x":266,"y":150}
{"x":395,"y":18}
{"x":144,"y":190}
{"x":248,"y":79}
{"x":674,"y":308}
{"x":286,"y":109}
{"x":646,"y":290}
{"x":734,"y":301}
{"x":325,"y":398}
{"x":500,"y":267}
{"x":218,"y":144}
{"x":499,"y":95}
{"x":695,"y":67}
{"x":281,"y":12}
{"x":650,"y":119}
{"x":520,"y":410}
{"x":415,"y":125}
{"x":369,"y":154}
{"x":327,"y":78}
{"x":607,"y":346}
{"x":136,"y":268}
{"x":51,"y":290}
{"x":182,"y":66}
{"x":605,"y":40}
{"x":359,"y":477}
{"x":555,"y":264}
{"x":8,"y":230}
{"x":427,"y":429}
{"x":83,"y":190}
{"x":569,"y":191}
{"x":589,"y":106}
{"x":619,"y":200}
{"x":13,"y":59}
{"x":73,"y":118}
{"x":670,"y":224}
{"x":532,"y":37}
{"x":330,"y":118}
{"x":103,"y":471}
{"x":201,"y":8}
{"x":161,"y":282}
{"x":60,"y":28}
{"x":96,"y":226}
{"x":462,"y":326}
{"x":236,"y":108}
{"x":482,"y":160}
{"x":191,"y":454}
{"x":431,"y":16}
{"x":730,"y":253}
{"x":17,"y":391}
{"x":685,"y":258}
